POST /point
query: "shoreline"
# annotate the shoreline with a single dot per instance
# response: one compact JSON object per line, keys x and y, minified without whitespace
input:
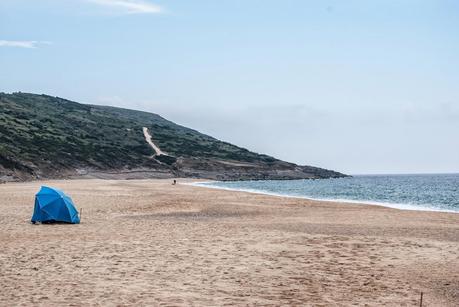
{"x":148,"y":242}
{"x":407,"y":207}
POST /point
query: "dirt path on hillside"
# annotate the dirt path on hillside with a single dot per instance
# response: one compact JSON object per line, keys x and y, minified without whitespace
{"x":149,"y":140}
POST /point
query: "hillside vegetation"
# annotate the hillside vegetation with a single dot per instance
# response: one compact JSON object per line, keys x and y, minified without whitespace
{"x":50,"y":137}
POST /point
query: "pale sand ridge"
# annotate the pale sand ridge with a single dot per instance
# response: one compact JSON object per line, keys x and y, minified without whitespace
{"x":149,"y":140}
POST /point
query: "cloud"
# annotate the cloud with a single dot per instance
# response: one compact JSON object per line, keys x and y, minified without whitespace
{"x":22,"y":44}
{"x":130,"y":6}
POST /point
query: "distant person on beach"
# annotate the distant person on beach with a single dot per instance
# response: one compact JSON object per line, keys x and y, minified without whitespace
{"x":175,"y":182}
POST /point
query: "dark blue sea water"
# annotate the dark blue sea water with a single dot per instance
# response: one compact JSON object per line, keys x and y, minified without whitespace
{"x":412,"y":192}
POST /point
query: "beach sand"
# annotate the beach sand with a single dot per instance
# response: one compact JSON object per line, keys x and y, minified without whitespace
{"x":147,"y":242}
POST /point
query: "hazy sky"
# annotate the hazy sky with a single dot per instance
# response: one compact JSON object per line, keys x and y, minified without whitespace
{"x":355,"y":86}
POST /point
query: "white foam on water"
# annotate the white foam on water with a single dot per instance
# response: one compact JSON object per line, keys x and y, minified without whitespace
{"x":211,"y":185}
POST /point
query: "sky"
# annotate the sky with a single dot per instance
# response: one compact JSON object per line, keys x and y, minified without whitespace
{"x":362,"y":87}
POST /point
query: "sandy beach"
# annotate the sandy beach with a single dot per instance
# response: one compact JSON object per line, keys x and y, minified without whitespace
{"x":148,"y":243}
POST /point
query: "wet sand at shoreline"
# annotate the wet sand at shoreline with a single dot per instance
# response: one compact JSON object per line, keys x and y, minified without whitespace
{"x":147,"y":242}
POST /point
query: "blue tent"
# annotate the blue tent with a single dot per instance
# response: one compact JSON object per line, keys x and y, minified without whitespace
{"x":52,"y":205}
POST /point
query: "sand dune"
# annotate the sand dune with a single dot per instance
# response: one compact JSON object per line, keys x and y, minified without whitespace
{"x":150,"y":243}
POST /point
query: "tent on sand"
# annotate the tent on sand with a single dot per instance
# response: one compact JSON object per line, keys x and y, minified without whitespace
{"x":52,"y":205}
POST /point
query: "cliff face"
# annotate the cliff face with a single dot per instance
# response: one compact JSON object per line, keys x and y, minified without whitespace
{"x":49,"y":137}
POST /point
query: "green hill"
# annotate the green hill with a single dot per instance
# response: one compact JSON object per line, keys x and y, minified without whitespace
{"x":50,"y":137}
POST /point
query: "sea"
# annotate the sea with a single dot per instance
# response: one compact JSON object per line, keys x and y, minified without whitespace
{"x":429,"y":192}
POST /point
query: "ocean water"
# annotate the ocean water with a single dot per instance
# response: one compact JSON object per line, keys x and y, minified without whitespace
{"x":411,"y":192}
